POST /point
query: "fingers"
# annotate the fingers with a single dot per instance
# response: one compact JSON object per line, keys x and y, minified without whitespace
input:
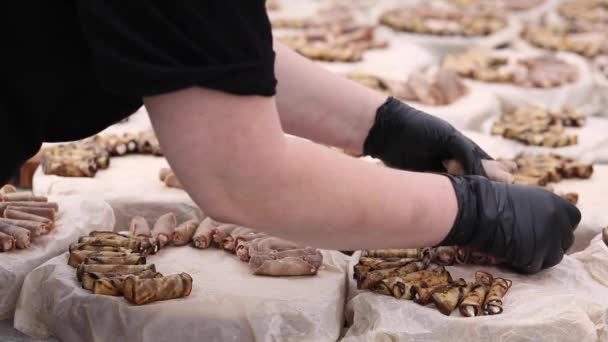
{"x":453,"y":167}
{"x":497,"y":171}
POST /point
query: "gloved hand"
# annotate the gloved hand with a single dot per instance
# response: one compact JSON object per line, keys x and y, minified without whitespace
{"x":405,"y":138}
{"x":529,"y":227}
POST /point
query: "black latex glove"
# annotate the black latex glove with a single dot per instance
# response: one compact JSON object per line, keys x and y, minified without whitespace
{"x":406,"y":138}
{"x":531,"y":228}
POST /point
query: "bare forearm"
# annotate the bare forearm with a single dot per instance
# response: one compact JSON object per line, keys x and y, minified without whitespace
{"x":322,"y":198}
{"x":235,"y":162}
{"x":316,"y":104}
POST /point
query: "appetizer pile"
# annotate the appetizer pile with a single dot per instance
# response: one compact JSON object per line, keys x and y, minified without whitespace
{"x":497,"y":5}
{"x":567,"y":37}
{"x":84,"y":158}
{"x":543,"y":71}
{"x":112,"y":264}
{"x":443,"y":21}
{"x":267,"y":255}
{"x":414,"y":274}
{"x":538,"y":126}
{"x":438,"y":88}
{"x":24,"y":217}
{"x":341,"y":43}
{"x":542,"y":169}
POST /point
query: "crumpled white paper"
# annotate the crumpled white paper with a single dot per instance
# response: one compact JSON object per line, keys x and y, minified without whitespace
{"x":595,"y":259}
{"x":77,"y":217}
{"x":563,"y":304}
{"x":601,"y":82}
{"x":579,"y":94}
{"x":130,"y":185}
{"x":592,"y":204}
{"x":227,"y":303}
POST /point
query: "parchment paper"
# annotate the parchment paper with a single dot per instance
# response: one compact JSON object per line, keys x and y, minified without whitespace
{"x":227,"y":303}
{"x":595,"y":259}
{"x":592,"y":204}
{"x":130,"y":185}
{"x":579,"y":94}
{"x":77,"y":217}
{"x":562,"y":304}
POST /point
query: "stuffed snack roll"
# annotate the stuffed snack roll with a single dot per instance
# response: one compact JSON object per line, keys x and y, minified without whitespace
{"x":89,"y":278}
{"x":493,"y":303}
{"x":203,"y":236}
{"x":7,"y":242}
{"x":223,"y":231}
{"x":295,"y":262}
{"x":129,"y":259}
{"x":52,"y":205}
{"x":182,"y":234}
{"x":139,"y":227}
{"x":131,"y":244}
{"x":48,"y":213}
{"x":472,"y":303}
{"x":401,"y":287}
{"x":381,"y":264}
{"x":82,"y":269}
{"x":78,"y":257}
{"x":86,"y":247}
{"x":394,"y":253}
{"x":113,"y":286}
{"x":143,"y":291}
{"x":23,"y":196}
{"x":449,"y":296}
{"x":22,"y":236}
{"x":36,"y":228}
{"x":374,"y":277}
{"x":20,"y":215}
{"x":231,"y":240}
{"x":164,"y":228}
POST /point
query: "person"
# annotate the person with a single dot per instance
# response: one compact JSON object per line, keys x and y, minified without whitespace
{"x":221,"y":94}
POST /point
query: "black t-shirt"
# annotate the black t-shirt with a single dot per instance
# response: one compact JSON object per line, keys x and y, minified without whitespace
{"x":70,"y":68}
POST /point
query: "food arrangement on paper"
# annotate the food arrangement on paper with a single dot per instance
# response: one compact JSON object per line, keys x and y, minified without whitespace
{"x":544,"y":71}
{"x":443,"y":21}
{"x":266,"y":255}
{"x":420,"y":275}
{"x":25,"y":217}
{"x":112,"y":264}
{"x":538,"y":126}
{"x":567,"y":37}
{"x":434,"y":88}
{"x":85,"y":157}
{"x":500,"y":5}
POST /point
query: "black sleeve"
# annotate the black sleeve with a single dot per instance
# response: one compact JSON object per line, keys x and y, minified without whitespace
{"x":149,"y":47}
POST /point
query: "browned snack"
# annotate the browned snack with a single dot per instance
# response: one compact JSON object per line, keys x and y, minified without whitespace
{"x":222,"y":232}
{"x":48,"y":213}
{"x":139,"y":227}
{"x":129,"y":259}
{"x":292,"y":262}
{"x":78,"y":256}
{"x":86,"y":247}
{"x":7,"y":242}
{"x":493,"y":301}
{"x":371,"y":81}
{"x":442,"y":88}
{"x":144,"y":291}
{"x":164,"y":228}
{"x":337,"y":44}
{"x":592,"y":11}
{"x":114,"y":285}
{"x":20,"y":215}
{"x":374,"y":277}
{"x":47,"y":205}
{"x":498,"y":5}
{"x":132,"y":244}
{"x":203,"y":236}
{"x":430,"y":20}
{"x":182,"y":235}
{"x":402,"y":287}
{"x":544,"y":71}
{"x":22,"y":236}
{"x":449,"y":296}
{"x":472,"y":303}
{"x":325,"y":18}
{"x":147,"y":143}
{"x":82,"y":269}
{"x":89,"y":278}
{"x":567,"y":37}
{"x":393,"y":253}
{"x":36,"y":228}
{"x":23,"y":197}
